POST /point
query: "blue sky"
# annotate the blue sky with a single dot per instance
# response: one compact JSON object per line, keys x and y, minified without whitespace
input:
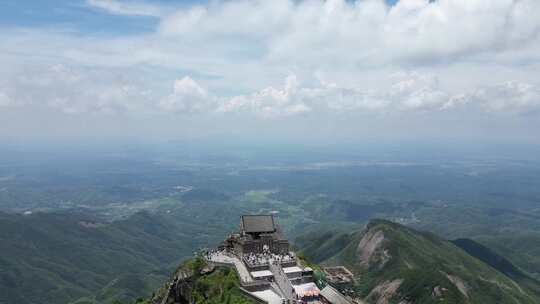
{"x":76,"y":14}
{"x":371,"y":68}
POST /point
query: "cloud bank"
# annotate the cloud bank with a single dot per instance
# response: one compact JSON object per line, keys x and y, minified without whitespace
{"x":283,"y":59}
{"x":80,"y":91}
{"x":361,"y":32}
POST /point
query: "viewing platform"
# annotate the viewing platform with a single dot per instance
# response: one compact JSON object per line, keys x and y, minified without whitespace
{"x":268,"y":271}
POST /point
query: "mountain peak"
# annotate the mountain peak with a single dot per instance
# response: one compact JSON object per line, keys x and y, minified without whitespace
{"x":395,"y":263}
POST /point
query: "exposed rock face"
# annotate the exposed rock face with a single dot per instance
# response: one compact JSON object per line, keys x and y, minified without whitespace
{"x":180,"y":289}
{"x":438,"y":292}
{"x":396,"y":264}
{"x":383,"y":292}
{"x":459,"y":283}
{"x":371,"y":251}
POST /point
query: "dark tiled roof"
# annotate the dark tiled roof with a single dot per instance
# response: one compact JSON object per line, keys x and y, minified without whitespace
{"x":333,"y":296}
{"x":257,"y":223}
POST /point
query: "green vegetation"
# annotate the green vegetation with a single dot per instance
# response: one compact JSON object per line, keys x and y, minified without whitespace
{"x":512,"y":234}
{"x":500,"y":263}
{"x":219,"y":287}
{"x":147,"y":209}
{"x":425,"y":265}
{"x":322,"y":246}
{"x":520,"y":247}
{"x":208,"y":286}
{"x":65,"y":258}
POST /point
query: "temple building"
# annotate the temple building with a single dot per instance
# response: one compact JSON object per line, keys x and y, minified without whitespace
{"x":267,"y":270}
{"x":258,"y":234}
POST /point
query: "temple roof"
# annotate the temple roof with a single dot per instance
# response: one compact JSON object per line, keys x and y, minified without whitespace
{"x":334,"y":296}
{"x":257,"y":223}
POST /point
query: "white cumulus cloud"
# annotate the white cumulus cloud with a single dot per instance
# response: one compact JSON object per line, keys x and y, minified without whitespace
{"x":73,"y":90}
{"x":360,"y":32}
{"x":270,"y":102}
{"x":409,"y":92}
{"x":511,"y":96}
{"x":188,"y":97}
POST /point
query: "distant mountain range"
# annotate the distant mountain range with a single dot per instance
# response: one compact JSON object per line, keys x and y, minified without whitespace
{"x":67,"y":258}
{"x":75,"y":258}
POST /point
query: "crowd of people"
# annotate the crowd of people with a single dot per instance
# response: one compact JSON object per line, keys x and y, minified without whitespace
{"x":215,"y":254}
{"x":265,"y":258}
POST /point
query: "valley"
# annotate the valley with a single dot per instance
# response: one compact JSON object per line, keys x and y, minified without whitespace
{"x":146,"y":205}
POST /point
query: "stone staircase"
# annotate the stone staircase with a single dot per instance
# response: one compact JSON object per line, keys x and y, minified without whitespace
{"x":282,"y":282}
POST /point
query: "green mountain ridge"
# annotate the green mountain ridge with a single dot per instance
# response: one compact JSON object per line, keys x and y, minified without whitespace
{"x":396,"y":264}
{"x":195,"y":281}
{"x":60,"y":258}
{"x":76,"y":258}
